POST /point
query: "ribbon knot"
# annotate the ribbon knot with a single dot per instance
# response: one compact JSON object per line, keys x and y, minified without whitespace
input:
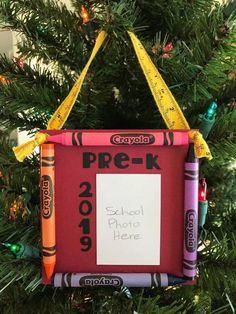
{"x":163,"y":99}
{"x":23,"y":150}
{"x":201,"y":148}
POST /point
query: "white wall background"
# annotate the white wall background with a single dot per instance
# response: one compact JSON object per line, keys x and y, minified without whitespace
{"x":6,"y":43}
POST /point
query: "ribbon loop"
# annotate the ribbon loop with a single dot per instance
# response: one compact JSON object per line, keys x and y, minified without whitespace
{"x":61,"y":114}
{"x":165,"y":101}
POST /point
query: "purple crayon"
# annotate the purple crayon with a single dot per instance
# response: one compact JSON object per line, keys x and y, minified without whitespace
{"x":191,"y":168}
{"x":115,"y":280}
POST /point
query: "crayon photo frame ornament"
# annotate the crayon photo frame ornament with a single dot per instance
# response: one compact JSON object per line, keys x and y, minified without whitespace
{"x":119,"y":208}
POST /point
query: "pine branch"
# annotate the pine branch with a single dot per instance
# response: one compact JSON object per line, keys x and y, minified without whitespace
{"x":213,"y":77}
{"x":225,"y":125}
{"x":179,"y":18}
{"x":224,"y":152}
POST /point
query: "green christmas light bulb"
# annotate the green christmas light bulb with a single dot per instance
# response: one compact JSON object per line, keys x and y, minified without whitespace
{"x":14,"y":248}
{"x":211,"y":111}
{"x":22,"y":251}
{"x":207,"y":120}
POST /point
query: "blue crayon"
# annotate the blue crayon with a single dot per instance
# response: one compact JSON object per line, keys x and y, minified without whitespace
{"x":115,"y":280}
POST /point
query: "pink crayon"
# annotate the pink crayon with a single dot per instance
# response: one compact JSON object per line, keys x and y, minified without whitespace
{"x":190,"y":214}
{"x":84,"y":138}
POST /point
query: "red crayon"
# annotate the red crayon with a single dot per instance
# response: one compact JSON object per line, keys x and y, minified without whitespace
{"x":155,"y":138}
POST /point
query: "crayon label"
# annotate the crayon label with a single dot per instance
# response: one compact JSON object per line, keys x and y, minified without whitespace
{"x":132,"y":139}
{"x":47,"y":196}
{"x":94,"y":280}
{"x":190,"y":231}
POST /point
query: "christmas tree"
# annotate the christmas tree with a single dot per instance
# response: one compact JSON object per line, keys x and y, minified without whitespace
{"x":193,"y":44}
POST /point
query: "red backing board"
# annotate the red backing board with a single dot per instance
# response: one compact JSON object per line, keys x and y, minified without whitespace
{"x":69,"y":174}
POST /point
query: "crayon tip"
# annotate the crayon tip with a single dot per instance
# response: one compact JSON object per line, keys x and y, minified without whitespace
{"x":178,"y":280}
{"x":191,"y":154}
{"x":49,"y":270}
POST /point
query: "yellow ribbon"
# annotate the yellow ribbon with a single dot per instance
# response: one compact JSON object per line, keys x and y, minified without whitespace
{"x":165,"y":101}
{"x":201,"y":148}
{"x":23,"y":150}
{"x":61,"y":114}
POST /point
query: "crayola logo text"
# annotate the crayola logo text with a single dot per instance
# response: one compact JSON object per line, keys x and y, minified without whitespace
{"x":132,"y":139}
{"x":101,"y":280}
{"x":46,"y":196}
{"x":190,"y":231}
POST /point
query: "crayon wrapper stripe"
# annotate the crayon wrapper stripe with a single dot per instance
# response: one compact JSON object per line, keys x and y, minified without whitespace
{"x":47,"y":164}
{"x":165,"y":141}
{"x":191,"y":174}
{"x":171,"y":137}
{"x":76,"y":138}
{"x":49,"y":158}
{"x":190,"y":266}
{"x":63,"y":282}
{"x":50,"y":248}
{"x":47,"y":254}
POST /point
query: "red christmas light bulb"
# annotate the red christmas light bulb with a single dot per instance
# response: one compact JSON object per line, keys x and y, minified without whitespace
{"x":202,"y":190}
{"x":20,"y":62}
{"x":168,"y":47}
